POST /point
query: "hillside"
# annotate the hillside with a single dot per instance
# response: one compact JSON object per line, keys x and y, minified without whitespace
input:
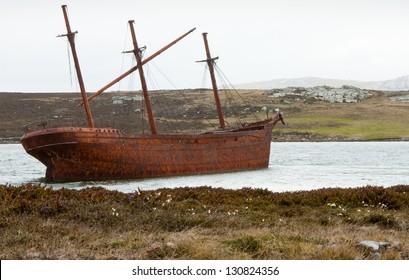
{"x":308,"y":114}
{"x":397,"y":84}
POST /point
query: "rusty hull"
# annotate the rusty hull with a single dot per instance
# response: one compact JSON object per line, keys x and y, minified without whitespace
{"x":84,"y":154}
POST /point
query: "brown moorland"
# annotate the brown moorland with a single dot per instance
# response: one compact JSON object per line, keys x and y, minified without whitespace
{"x":203,"y":223}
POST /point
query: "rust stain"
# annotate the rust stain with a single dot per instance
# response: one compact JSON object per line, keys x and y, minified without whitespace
{"x":82,"y":154}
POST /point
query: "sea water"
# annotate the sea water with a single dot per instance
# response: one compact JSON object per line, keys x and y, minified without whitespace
{"x":293,"y":166}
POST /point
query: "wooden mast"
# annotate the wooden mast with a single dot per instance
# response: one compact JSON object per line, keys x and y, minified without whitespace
{"x":133,"y":69}
{"x":137,"y":53}
{"x":71,"y":39}
{"x":210,"y":62}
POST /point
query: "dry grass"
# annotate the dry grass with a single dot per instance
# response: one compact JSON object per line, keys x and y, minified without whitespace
{"x":202,"y":223}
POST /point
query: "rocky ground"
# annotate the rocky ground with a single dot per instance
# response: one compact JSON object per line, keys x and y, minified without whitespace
{"x":344,"y":94}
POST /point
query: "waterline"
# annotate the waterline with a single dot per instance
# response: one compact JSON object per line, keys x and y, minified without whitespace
{"x":293,"y":166}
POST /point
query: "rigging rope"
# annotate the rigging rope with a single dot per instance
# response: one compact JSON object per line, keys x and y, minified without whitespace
{"x":158,"y":97}
{"x":68,"y":54}
{"x":132,"y":78}
{"x":164,"y":75}
{"x":69,"y":61}
{"x":230,"y":100}
{"x":123,"y":57}
{"x":235,"y":90}
{"x":131,"y":82}
{"x":163,"y":103}
{"x":202,"y":87}
{"x":204,"y":79}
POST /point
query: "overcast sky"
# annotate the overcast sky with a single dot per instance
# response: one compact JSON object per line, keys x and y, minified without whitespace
{"x":256,"y":40}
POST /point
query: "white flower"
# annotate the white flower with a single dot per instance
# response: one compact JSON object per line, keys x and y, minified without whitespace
{"x":114,"y":212}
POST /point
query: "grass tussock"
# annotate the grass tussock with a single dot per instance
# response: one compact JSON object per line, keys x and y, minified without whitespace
{"x":202,"y":223}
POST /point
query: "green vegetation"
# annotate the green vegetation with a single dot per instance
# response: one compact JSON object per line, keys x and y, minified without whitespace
{"x":202,"y":223}
{"x":353,"y":128}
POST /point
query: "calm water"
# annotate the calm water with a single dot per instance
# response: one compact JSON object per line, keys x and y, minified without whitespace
{"x":293,"y":166}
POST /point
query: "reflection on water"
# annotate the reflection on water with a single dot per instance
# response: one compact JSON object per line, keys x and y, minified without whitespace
{"x":293,"y":166}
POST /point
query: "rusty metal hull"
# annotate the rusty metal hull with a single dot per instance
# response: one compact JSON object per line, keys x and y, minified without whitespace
{"x":84,"y":154}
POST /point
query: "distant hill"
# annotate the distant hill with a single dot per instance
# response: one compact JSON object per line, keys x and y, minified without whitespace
{"x":398,"y":84}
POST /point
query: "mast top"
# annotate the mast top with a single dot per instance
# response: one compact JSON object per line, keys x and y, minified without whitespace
{"x":210,"y":62}
{"x":137,"y":53}
{"x":70,"y":35}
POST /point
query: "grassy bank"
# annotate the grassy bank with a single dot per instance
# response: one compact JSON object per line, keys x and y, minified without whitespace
{"x":202,"y":223}
{"x":328,"y":127}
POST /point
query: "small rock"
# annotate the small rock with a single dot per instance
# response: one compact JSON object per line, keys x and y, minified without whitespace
{"x":374,"y":245}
